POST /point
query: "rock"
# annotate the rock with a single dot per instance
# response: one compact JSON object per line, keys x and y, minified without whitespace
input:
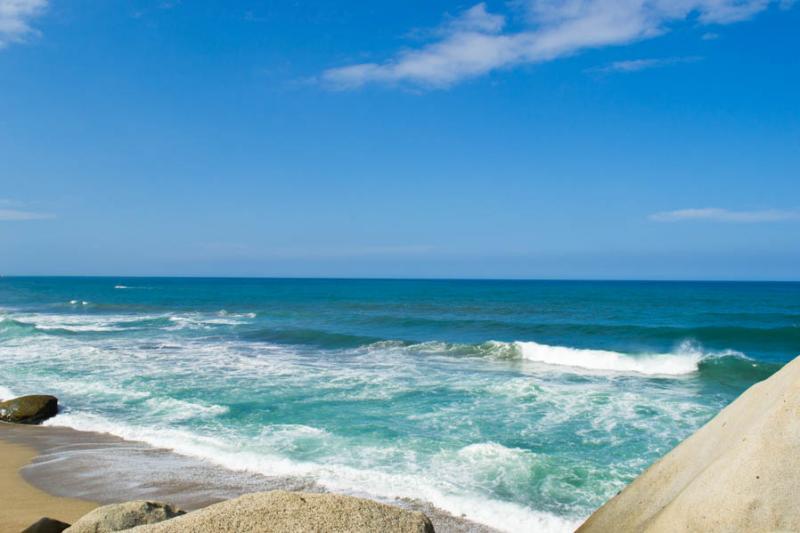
{"x":295,"y":512}
{"x":739,"y":472}
{"x":119,"y":516}
{"x":46,"y":525}
{"x":28,"y":409}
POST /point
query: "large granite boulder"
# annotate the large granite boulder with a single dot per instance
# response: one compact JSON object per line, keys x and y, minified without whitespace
{"x":120,"y":516}
{"x":295,"y":512}
{"x":28,"y":409}
{"x":739,"y":472}
{"x":46,"y":525}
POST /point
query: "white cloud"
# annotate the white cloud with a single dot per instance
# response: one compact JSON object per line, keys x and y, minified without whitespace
{"x":15,"y":17}
{"x":716,"y":214}
{"x":477,"y":18}
{"x":477,"y":41}
{"x":635,"y":65}
{"x":17,"y":215}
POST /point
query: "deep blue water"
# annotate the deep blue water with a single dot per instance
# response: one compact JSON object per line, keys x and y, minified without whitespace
{"x":522,"y":404}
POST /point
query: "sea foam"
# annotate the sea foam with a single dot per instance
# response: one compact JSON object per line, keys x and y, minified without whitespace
{"x":6,"y":393}
{"x":379,"y":484}
{"x":684,"y":360}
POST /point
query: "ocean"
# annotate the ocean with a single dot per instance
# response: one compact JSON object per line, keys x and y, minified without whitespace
{"x":522,"y":405}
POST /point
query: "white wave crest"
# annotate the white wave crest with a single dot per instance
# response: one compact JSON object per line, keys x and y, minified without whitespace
{"x":75,"y":323}
{"x":224,"y":313}
{"x":174,"y":410}
{"x":6,"y":393}
{"x":684,"y":360}
{"x":365,"y":482}
{"x":201,"y":321}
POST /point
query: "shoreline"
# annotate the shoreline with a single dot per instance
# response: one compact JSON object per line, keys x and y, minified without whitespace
{"x":70,"y":472}
{"x":23,"y":503}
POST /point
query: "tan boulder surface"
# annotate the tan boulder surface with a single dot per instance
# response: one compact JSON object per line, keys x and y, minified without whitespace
{"x":122,"y":516}
{"x":739,"y":472}
{"x":295,"y":512}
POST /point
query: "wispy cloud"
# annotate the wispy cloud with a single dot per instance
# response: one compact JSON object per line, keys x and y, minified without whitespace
{"x":635,"y":65}
{"x":477,"y":42}
{"x":716,"y":214}
{"x":18,"y":215}
{"x":15,"y":17}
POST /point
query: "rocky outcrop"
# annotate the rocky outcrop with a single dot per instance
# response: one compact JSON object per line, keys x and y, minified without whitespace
{"x":28,"y":409}
{"x":295,"y":512}
{"x":739,"y":472}
{"x":46,"y":525}
{"x":120,"y":516}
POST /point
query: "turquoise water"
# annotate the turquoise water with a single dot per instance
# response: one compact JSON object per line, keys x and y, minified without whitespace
{"x":522,"y":405}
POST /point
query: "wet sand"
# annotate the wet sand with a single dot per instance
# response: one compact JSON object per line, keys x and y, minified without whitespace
{"x":21,"y":504}
{"x":77,"y":468}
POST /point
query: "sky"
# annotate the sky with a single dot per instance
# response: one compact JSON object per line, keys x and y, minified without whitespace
{"x":590,"y":139}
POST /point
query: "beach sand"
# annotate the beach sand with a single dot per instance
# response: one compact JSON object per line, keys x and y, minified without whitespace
{"x":78,"y":468}
{"x":21,"y":504}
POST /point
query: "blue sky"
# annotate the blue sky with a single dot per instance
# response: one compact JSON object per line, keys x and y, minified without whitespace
{"x":654,"y":139}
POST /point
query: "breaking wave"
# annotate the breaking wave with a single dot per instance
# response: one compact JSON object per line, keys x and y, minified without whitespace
{"x":684,"y":360}
{"x":340,"y":477}
{"x":687,"y":358}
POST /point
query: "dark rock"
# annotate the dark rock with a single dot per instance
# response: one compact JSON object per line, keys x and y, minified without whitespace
{"x":46,"y":525}
{"x":28,"y":409}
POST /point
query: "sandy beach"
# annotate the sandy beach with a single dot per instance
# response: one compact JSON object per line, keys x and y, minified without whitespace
{"x":23,"y":503}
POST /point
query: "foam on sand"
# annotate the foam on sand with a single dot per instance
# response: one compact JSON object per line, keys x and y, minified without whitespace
{"x":364,"y":482}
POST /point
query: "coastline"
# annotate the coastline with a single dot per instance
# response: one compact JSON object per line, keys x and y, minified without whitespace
{"x":63,"y":473}
{"x":23,"y":503}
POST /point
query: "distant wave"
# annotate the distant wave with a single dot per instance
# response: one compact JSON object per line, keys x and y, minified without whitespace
{"x":684,"y":360}
{"x":312,"y":337}
{"x":687,"y":358}
{"x":748,"y":327}
{"x":56,"y":324}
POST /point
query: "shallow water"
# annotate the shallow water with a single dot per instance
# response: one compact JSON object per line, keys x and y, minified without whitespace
{"x":522,"y":405}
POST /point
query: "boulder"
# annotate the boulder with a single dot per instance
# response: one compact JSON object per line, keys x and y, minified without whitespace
{"x":295,"y":512}
{"x":46,"y":525}
{"x":28,"y":409}
{"x":119,"y":516}
{"x":739,"y":472}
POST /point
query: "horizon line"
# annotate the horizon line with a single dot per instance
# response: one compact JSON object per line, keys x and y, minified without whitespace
{"x":398,"y":278}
